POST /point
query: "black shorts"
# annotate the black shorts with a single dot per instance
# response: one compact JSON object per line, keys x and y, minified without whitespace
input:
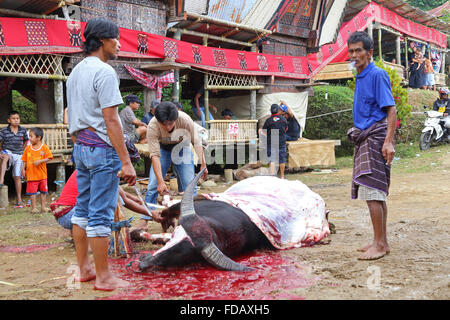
{"x":282,"y":154}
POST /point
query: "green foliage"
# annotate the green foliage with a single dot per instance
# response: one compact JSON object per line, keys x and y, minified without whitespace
{"x":426,"y":4}
{"x":139,"y":113}
{"x":26,"y":109}
{"x":445,"y":16}
{"x":329,"y":99}
{"x":400,"y":94}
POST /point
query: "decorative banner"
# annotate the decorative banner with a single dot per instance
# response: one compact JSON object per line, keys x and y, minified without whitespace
{"x":41,"y":36}
{"x":338,"y":51}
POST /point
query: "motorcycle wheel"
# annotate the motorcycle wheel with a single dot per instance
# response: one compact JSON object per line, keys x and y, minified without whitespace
{"x":425,"y":140}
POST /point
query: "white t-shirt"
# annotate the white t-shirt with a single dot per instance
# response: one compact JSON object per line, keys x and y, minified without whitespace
{"x":92,"y":86}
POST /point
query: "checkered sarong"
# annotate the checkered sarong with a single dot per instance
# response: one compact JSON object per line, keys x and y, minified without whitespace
{"x":151,"y":81}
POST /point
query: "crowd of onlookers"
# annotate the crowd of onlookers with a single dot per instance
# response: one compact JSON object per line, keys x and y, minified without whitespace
{"x":423,"y":68}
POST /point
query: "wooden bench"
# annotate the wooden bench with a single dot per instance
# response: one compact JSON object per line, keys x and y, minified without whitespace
{"x":56,"y":137}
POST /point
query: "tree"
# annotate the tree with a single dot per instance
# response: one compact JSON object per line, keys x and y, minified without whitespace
{"x":426,"y":5}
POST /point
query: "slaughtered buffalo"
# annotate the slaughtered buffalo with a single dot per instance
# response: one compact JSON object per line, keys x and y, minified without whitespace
{"x":258,"y":212}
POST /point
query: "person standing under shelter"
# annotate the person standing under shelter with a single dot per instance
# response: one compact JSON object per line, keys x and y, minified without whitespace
{"x":275,"y":127}
{"x":293,"y":131}
{"x":129,"y":120}
{"x":13,"y":140}
{"x":374,"y":117}
{"x":101,"y":157}
{"x":169,"y":136}
{"x":198,"y":105}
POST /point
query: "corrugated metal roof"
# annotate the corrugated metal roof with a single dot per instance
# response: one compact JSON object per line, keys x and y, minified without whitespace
{"x":196,"y":6}
{"x":230,"y":10}
{"x":261,"y":13}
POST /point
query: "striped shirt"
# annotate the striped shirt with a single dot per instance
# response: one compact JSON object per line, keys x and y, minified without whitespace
{"x":14,"y":142}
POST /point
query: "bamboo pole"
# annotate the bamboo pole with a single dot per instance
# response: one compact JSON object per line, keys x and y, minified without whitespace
{"x":227,"y":23}
{"x":212,"y":37}
{"x":176,"y":75}
{"x":33,"y":76}
{"x":380,"y":51}
{"x":406,"y":58}
{"x":398,"y":50}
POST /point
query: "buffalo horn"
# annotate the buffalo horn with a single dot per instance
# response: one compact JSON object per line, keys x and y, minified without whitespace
{"x":214,"y":256}
{"x":187,"y":202}
{"x":210,"y":252}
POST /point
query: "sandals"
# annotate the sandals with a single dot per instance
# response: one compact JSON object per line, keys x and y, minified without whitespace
{"x":19,"y":205}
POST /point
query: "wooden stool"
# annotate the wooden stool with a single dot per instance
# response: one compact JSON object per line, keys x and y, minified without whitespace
{"x":4,"y":196}
{"x":122,"y":240}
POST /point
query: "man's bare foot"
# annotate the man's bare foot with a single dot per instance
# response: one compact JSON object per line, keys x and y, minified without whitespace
{"x":364,"y":249}
{"x":373,"y":253}
{"x":110,"y":284}
{"x":87,"y":275}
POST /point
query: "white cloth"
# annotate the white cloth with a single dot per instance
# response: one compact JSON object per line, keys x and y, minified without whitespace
{"x":92,"y":86}
{"x":287,"y":212}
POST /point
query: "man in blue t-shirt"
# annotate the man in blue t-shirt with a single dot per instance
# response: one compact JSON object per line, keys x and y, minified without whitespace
{"x":374,"y":117}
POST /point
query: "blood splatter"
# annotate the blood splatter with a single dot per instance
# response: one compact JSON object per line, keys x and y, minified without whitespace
{"x":273,"y":275}
{"x":29,"y":248}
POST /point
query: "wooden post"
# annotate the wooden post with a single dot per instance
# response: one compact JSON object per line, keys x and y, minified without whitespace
{"x":380,"y":51}
{"x":59,"y":118}
{"x":370,"y":30}
{"x":206,"y":94}
{"x":253,"y":97}
{"x":149,"y":96}
{"x":406,"y":59}
{"x":124,"y":233}
{"x":176,"y":74}
{"x":398,"y":50}
{"x":59,"y":100}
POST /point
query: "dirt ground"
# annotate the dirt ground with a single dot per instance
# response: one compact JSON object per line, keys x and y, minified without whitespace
{"x":418,"y":232}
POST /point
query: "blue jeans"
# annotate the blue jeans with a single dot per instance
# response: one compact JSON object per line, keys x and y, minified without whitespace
{"x":65,"y":220}
{"x":98,"y":189}
{"x":183,"y":165}
{"x":202,"y":113}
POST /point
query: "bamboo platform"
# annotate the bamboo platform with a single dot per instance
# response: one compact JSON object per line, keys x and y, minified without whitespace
{"x":56,"y":137}
{"x":232,"y":131}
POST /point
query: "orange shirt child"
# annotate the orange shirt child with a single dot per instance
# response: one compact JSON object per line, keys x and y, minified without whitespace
{"x":30,"y":155}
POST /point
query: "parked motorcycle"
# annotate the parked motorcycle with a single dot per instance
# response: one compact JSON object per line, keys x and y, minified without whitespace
{"x":437,"y":129}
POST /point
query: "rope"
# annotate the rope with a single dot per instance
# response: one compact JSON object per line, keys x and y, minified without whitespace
{"x":60,"y":183}
{"x":116,"y":226}
{"x":129,"y":265}
{"x":326,"y":114}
